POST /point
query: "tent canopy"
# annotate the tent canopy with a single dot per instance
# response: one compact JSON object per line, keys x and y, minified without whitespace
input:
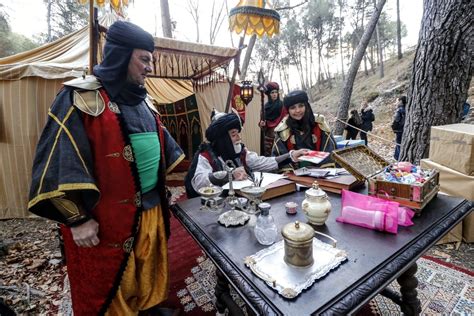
{"x":69,"y":57}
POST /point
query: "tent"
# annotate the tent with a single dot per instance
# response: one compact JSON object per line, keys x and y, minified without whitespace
{"x":30,"y":80}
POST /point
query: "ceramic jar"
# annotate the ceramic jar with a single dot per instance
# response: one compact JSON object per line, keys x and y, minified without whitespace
{"x":316,"y":205}
{"x":298,"y":241}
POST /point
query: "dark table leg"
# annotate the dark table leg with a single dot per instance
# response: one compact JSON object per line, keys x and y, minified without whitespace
{"x":408,"y":300}
{"x":223,"y":298}
{"x":411,"y":305}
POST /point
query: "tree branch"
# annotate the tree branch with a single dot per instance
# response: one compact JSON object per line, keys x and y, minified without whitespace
{"x":291,"y":7}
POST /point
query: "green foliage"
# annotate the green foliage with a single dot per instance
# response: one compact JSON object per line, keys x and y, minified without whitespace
{"x":66,"y":16}
{"x":11,"y":43}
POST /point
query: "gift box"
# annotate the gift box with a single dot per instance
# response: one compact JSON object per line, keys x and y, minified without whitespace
{"x":455,"y":183}
{"x":458,"y":141}
{"x":364,"y":164}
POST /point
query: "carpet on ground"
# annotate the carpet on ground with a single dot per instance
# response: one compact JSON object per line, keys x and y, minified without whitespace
{"x":443,"y":288}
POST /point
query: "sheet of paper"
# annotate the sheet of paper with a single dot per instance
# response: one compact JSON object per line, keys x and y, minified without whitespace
{"x":267,"y":179}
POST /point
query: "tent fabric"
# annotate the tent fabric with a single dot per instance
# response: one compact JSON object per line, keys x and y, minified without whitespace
{"x":165,"y":91}
{"x":215,"y":96}
{"x":24,"y":108}
{"x":69,"y":57}
{"x":184,"y":60}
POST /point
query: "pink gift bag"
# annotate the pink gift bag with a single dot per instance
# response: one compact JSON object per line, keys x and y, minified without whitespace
{"x":373,"y":213}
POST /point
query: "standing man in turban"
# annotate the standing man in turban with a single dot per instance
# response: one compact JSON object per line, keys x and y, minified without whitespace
{"x":224,"y":141}
{"x":274,"y":112}
{"x":302,"y":129}
{"x":100,"y":170}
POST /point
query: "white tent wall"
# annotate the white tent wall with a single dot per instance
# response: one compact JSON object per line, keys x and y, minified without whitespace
{"x":24,"y":108}
{"x":215,"y":96}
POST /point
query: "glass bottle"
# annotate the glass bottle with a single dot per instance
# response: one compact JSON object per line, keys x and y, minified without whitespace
{"x":265,"y":229}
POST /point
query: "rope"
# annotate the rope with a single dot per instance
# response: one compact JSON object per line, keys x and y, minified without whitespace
{"x":369,"y":133}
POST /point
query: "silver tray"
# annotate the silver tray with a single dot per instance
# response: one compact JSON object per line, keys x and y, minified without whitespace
{"x":289,"y":281}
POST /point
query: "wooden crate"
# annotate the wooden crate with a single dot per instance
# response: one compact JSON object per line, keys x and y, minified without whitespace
{"x":365,"y":164}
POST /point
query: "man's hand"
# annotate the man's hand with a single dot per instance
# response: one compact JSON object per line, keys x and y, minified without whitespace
{"x":239,"y":173}
{"x":262,"y":123}
{"x":295,"y":154}
{"x":85,"y":235}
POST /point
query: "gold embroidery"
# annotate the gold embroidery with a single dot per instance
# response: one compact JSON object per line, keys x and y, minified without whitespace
{"x":174,"y":164}
{"x":114,"y":107}
{"x":60,"y":192}
{"x":62,"y":128}
{"x":127,"y":153}
{"x":128,"y":245}
{"x":138,"y":199}
{"x":113,"y":155}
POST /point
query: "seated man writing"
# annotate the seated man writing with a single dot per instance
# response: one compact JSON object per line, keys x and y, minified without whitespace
{"x":224,"y":141}
{"x":302,"y":129}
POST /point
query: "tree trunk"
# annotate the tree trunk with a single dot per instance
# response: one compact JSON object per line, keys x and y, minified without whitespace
{"x":365,"y":55}
{"x":340,"y":41}
{"x":399,"y":32}
{"x":343,"y":105}
{"x":48,"y":20}
{"x":248,"y":53}
{"x":442,"y":72}
{"x":379,"y":46}
{"x":166,"y":19}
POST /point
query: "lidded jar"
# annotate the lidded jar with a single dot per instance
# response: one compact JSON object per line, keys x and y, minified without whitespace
{"x":265,"y":229}
{"x":316,"y":205}
{"x":298,"y":241}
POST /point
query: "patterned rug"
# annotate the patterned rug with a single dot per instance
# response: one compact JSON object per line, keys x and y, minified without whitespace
{"x":443,"y":288}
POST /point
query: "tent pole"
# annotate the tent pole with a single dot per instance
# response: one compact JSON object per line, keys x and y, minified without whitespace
{"x":91,"y":36}
{"x":236,"y":68}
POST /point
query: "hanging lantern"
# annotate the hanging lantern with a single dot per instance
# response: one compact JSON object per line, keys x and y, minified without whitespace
{"x":246,"y":91}
{"x":251,"y":17}
{"x":116,"y":5}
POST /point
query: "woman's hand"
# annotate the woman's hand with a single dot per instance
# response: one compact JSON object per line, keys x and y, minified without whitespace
{"x":295,"y":154}
{"x":86,"y":234}
{"x":239,"y":174}
{"x":262,"y":123}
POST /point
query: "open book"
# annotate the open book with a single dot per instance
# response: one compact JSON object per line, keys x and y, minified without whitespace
{"x":268,"y":178}
{"x":314,"y":156}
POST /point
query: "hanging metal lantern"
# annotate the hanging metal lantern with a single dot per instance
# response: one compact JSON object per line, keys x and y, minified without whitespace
{"x":251,"y":17}
{"x":246,"y":91}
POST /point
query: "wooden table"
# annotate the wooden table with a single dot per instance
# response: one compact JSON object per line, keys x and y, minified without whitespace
{"x":375,"y":259}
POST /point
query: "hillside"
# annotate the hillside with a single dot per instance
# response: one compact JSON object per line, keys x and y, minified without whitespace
{"x":382,"y":91}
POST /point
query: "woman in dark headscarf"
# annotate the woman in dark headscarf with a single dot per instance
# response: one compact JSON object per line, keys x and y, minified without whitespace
{"x":274,"y":113}
{"x":302,"y":129}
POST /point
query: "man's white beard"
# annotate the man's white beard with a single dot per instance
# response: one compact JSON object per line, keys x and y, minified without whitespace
{"x":238,"y":148}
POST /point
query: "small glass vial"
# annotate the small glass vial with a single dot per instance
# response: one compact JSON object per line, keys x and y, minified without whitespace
{"x":265,"y":229}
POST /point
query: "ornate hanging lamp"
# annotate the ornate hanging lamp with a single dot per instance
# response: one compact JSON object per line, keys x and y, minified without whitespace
{"x":246,"y":91}
{"x":251,"y":17}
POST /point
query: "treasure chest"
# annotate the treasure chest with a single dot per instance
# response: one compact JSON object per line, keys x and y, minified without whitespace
{"x":364,"y":164}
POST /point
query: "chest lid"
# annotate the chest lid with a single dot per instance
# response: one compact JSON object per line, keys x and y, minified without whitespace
{"x":361,"y":161}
